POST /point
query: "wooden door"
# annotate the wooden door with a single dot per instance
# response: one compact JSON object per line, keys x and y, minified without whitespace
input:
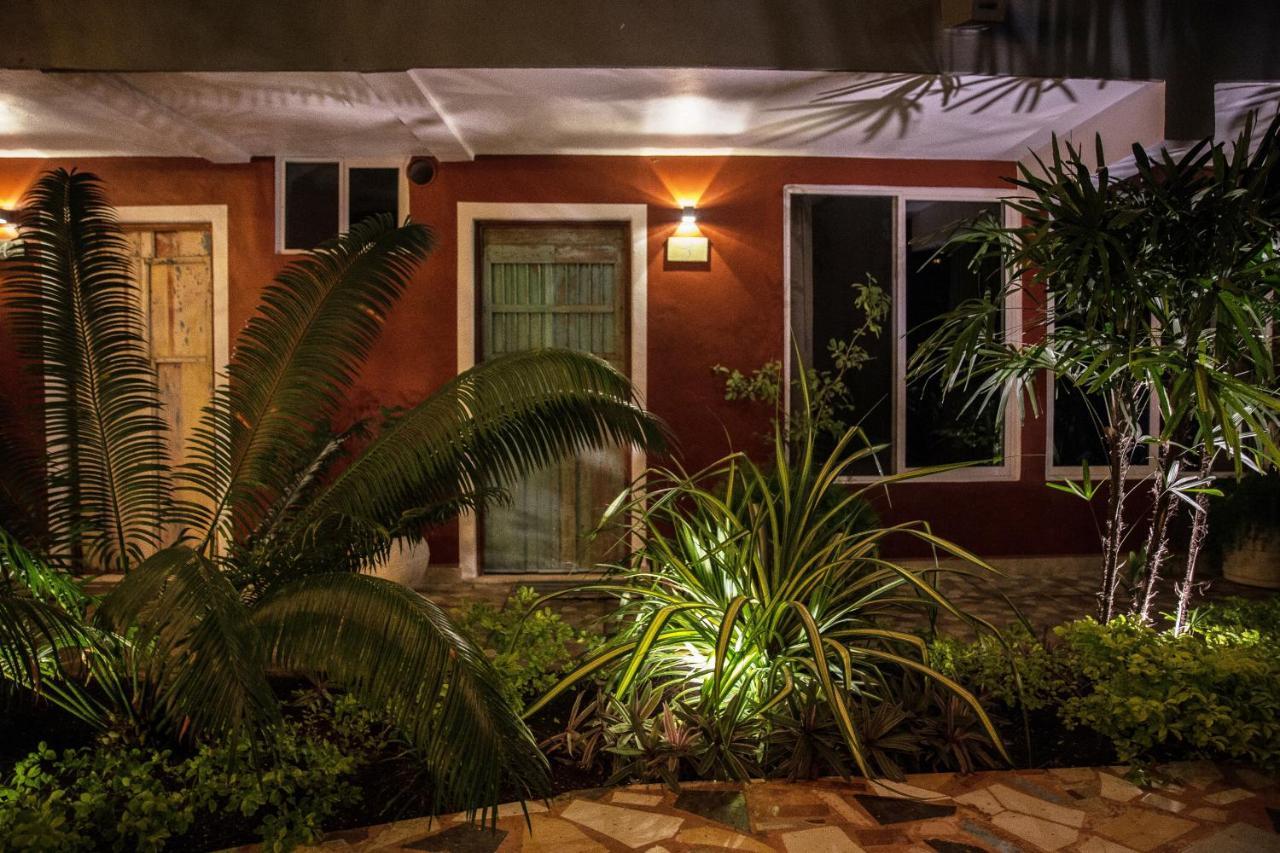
{"x":173,"y":268}
{"x":566,"y":286}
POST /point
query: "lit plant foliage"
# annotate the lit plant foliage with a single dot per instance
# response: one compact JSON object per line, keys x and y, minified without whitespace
{"x":751,"y":588}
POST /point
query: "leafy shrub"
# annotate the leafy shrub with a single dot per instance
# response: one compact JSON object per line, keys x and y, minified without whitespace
{"x":1152,"y":692}
{"x":1212,"y":692}
{"x":1016,"y":671}
{"x":113,"y":798}
{"x":1243,"y":617}
{"x":127,"y":797}
{"x":530,"y":646}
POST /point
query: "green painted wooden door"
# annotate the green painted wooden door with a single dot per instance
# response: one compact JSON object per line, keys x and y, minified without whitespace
{"x":554,"y":286}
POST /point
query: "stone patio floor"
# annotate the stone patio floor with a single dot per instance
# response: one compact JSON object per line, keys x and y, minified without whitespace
{"x":1199,"y":807}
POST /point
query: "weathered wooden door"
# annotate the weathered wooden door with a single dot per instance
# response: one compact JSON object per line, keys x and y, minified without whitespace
{"x":563,"y":286}
{"x":173,"y":268}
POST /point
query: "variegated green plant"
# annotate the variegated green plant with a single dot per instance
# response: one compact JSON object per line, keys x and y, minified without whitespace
{"x":749,"y":585}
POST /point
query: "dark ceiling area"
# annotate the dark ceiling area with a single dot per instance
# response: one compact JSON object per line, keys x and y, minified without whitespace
{"x":1190,"y":45}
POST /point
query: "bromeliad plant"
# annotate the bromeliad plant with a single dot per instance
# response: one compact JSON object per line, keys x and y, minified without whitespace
{"x":279,"y":514}
{"x":750,"y":587}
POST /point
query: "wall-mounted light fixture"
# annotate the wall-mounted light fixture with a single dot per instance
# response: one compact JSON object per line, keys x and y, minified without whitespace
{"x":687,"y":245}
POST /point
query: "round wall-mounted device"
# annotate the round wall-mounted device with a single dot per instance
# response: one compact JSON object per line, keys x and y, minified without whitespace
{"x":422,"y":170}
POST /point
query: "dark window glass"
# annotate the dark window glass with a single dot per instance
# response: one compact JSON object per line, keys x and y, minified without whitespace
{"x":372,"y":191}
{"x":940,"y":428}
{"x":1078,"y":420}
{"x":852,"y":242}
{"x":310,"y":204}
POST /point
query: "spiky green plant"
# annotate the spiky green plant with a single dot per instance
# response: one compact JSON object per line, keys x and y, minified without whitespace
{"x":749,"y":585}
{"x":280,"y":514}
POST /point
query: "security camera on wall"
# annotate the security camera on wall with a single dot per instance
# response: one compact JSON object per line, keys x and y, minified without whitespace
{"x":422,"y":170}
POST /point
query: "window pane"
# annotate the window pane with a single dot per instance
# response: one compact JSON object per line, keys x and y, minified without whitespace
{"x":938,"y":431}
{"x":851,"y":239}
{"x":310,"y":204}
{"x":1077,"y":429}
{"x":372,"y":191}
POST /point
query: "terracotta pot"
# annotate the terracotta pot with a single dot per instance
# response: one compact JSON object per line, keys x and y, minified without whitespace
{"x":1255,"y":560}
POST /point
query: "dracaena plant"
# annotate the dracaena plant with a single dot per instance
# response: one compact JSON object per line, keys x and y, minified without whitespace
{"x":1158,"y":290}
{"x":279,"y":513}
{"x":750,"y":585}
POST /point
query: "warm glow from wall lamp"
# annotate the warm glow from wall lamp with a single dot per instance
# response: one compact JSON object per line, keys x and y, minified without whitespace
{"x":688,"y":214}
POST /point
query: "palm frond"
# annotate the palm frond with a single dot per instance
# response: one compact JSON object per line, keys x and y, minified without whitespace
{"x":78,"y":315}
{"x":292,"y":363}
{"x":40,"y":613}
{"x":483,"y":430}
{"x":196,"y":642}
{"x":22,"y":478}
{"x":398,"y":652}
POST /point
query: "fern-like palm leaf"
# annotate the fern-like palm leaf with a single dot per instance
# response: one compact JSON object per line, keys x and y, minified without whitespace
{"x":196,"y":641}
{"x":292,"y":364}
{"x":399,"y":653}
{"x":483,"y":430}
{"x":77,"y":313}
{"x":40,"y":610}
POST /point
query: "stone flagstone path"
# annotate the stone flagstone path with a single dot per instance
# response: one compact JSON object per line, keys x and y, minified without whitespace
{"x":1202,"y":808}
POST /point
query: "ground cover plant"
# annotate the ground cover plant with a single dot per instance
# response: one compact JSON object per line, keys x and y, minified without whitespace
{"x":1211,"y":691}
{"x":279,"y":511}
{"x":530,"y":644}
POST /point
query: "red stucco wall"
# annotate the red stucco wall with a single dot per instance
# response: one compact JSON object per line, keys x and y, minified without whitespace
{"x":730,"y":313}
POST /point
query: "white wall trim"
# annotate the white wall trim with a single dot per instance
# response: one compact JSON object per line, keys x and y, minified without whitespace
{"x":1011,"y":468}
{"x":215,"y":216}
{"x":469,"y":213}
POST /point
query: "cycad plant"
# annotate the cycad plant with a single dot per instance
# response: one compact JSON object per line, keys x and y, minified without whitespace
{"x":751,"y":586}
{"x":281,"y":513}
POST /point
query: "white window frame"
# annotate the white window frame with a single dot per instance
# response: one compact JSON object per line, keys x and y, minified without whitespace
{"x":344,"y":191}
{"x":1011,"y":467}
{"x":469,"y":213}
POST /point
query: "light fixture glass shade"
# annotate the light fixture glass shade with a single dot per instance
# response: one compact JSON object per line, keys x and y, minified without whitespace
{"x":688,"y":214}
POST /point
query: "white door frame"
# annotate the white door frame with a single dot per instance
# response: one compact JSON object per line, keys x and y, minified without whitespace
{"x":469,"y":213}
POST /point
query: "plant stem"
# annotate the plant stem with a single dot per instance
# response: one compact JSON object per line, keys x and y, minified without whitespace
{"x":1120,"y":448}
{"x":1199,"y":529}
{"x":1158,"y":534}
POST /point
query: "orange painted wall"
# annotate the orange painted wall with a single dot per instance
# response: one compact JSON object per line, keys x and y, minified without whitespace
{"x":730,"y":313}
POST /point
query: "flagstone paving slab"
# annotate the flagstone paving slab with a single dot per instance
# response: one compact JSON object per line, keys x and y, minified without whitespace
{"x":1224,"y":809}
